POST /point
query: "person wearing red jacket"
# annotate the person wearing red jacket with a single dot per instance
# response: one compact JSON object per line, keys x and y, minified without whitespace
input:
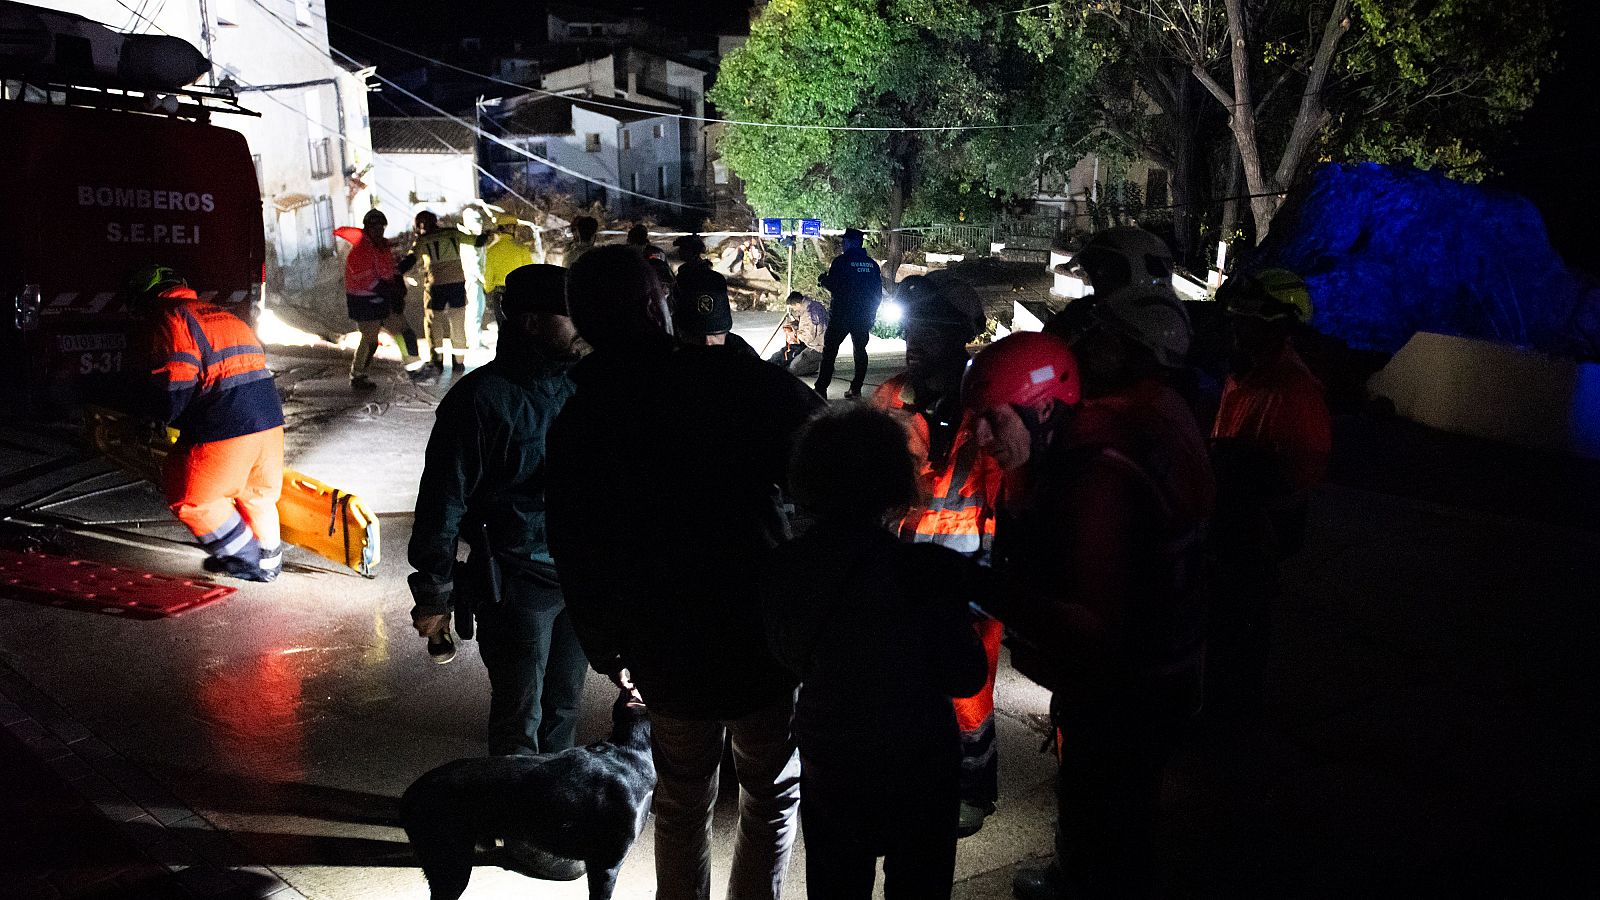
{"x":375,"y":297}
{"x":211,"y":382}
{"x":1271,"y":444}
{"x":1106,"y":491}
{"x":960,"y":485}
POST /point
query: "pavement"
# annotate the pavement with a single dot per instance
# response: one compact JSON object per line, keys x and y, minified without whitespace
{"x":1431,"y":728}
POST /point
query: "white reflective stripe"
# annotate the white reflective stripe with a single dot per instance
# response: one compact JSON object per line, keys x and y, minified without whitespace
{"x":100,"y":301}
{"x":270,"y":562}
{"x":224,"y":530}
{"x":64,"y":299}
{"x":237,"y":296}
{"x":233,"y":547}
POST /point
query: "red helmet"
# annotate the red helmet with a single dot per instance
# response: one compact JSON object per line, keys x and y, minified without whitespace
{"x":1021,"y":370}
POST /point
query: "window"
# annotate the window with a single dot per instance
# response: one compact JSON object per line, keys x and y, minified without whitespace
{"x":627,"y":139}
{"x":719,"y":172}
{"x":322,"y":158}
{"x":661,"y":180}
{"x":659,"y":131}
{"x":591,"y":142}
{"x":633,"y":182}
{"x":227,"y":11}
{"x":324,"y":215}
{"x":302,"y":12}
{"x":1155,"y":189}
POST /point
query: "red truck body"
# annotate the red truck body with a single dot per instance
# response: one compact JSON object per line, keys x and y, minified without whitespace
{"x":91,"y":195}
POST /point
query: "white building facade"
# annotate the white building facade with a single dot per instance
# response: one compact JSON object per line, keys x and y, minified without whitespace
{"x":619,"y":145}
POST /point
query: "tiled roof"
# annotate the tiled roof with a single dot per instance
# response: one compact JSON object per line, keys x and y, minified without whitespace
{"x":553,"y":115}
{"x":420,"y":134}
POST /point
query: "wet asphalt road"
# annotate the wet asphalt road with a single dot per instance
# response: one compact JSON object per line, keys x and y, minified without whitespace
{"x":1431,"y":728}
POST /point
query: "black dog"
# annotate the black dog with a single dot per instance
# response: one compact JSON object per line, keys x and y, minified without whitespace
{"x":587,"y":803}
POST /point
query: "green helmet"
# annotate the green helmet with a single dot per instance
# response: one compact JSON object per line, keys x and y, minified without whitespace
{"x":151,"y":280}
{"x":1272,"y":295}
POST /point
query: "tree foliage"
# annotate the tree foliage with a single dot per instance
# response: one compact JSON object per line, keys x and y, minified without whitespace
{"x":1428,"y":82}
{"x":894,"y":63}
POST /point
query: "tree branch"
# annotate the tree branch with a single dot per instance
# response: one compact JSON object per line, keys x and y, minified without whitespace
{"x":1313,"y":115}
{"x":1216,"y":89}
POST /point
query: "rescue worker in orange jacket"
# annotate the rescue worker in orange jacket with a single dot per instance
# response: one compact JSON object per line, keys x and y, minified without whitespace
{"x":375,"y":297}
{"x":1270,"y":445}
{"x":223,"y":478}
{"x":960,"y":487}
{"x":1099,"y":556}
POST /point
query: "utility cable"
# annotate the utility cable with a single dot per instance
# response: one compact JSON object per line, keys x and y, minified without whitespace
{"x":692,"y":118}
{"x":485,"y":134}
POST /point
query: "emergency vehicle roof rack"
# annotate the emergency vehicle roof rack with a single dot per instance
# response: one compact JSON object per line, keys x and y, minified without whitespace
{"x":196,"y":103}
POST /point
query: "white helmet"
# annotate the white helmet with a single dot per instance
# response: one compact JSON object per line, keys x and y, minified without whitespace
{"x":1151,"y":316}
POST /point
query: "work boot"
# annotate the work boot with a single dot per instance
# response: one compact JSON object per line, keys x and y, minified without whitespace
{"x":535,"y":862}
{"x":237,"y":568}
{"x":362,"y":383}
{"x":458,"y":365}
{"x":971,"y":819}
{"x":427,"y":373}
{"x":853,"y":394}
{"x":1038,"y":884}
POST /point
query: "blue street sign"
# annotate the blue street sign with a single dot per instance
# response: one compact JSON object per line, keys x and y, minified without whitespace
{"x":771,"y":227}
{"x":811,"y":227}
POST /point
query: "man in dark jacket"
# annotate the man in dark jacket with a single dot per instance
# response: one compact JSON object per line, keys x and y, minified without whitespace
{"x":700,"y":310}
{"x":483,"y":482}
{"x":857,"y":288}
{"x":664,"y":476}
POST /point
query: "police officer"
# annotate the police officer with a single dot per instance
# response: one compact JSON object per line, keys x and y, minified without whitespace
{"x":857,"y":287}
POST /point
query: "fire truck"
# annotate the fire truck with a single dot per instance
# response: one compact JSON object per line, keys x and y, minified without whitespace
{"x":109,"y":162}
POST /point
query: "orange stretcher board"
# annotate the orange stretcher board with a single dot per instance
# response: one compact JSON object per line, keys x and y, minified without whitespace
{"x":315,"y":516}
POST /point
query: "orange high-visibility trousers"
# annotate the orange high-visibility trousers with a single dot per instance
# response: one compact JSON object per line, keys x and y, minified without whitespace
{"x":226,"y":493}
{"x":980,"y":781}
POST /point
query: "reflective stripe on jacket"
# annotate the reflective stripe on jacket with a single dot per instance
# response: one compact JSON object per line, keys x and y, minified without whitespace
{"x":212,"y":372}
{"x":961,"y":494}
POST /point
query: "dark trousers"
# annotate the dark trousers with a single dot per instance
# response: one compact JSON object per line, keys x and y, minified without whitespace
{"x":919,"y":860}
{"x":831,"y":339}
{"x":1109,"y":793}
{"x":536,"y":670}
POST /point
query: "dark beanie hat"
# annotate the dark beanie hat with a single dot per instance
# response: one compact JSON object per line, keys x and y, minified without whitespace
{"x":700,"y":309}
{"x":535,"y":288}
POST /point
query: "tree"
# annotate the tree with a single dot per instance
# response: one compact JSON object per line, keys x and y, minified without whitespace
{"x":1430,"y":82}
{"x":893,"y":64}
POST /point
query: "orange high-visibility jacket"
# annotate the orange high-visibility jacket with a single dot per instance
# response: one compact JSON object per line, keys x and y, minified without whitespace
{"x":960,"y":496}
{"x":369,"y":262}
{"x":212,"y":370}
{"x":1279,"y":405}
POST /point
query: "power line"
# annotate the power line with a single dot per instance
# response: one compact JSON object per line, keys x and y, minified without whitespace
{"x":537,"y":90}
{"x":482,"y":133}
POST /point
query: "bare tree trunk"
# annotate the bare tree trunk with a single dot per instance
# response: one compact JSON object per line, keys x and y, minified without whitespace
{"x":1266,"y":191}
{"x":899,"y":189}
{"x":1185,"y":118}
{"x":1230,"y":205}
